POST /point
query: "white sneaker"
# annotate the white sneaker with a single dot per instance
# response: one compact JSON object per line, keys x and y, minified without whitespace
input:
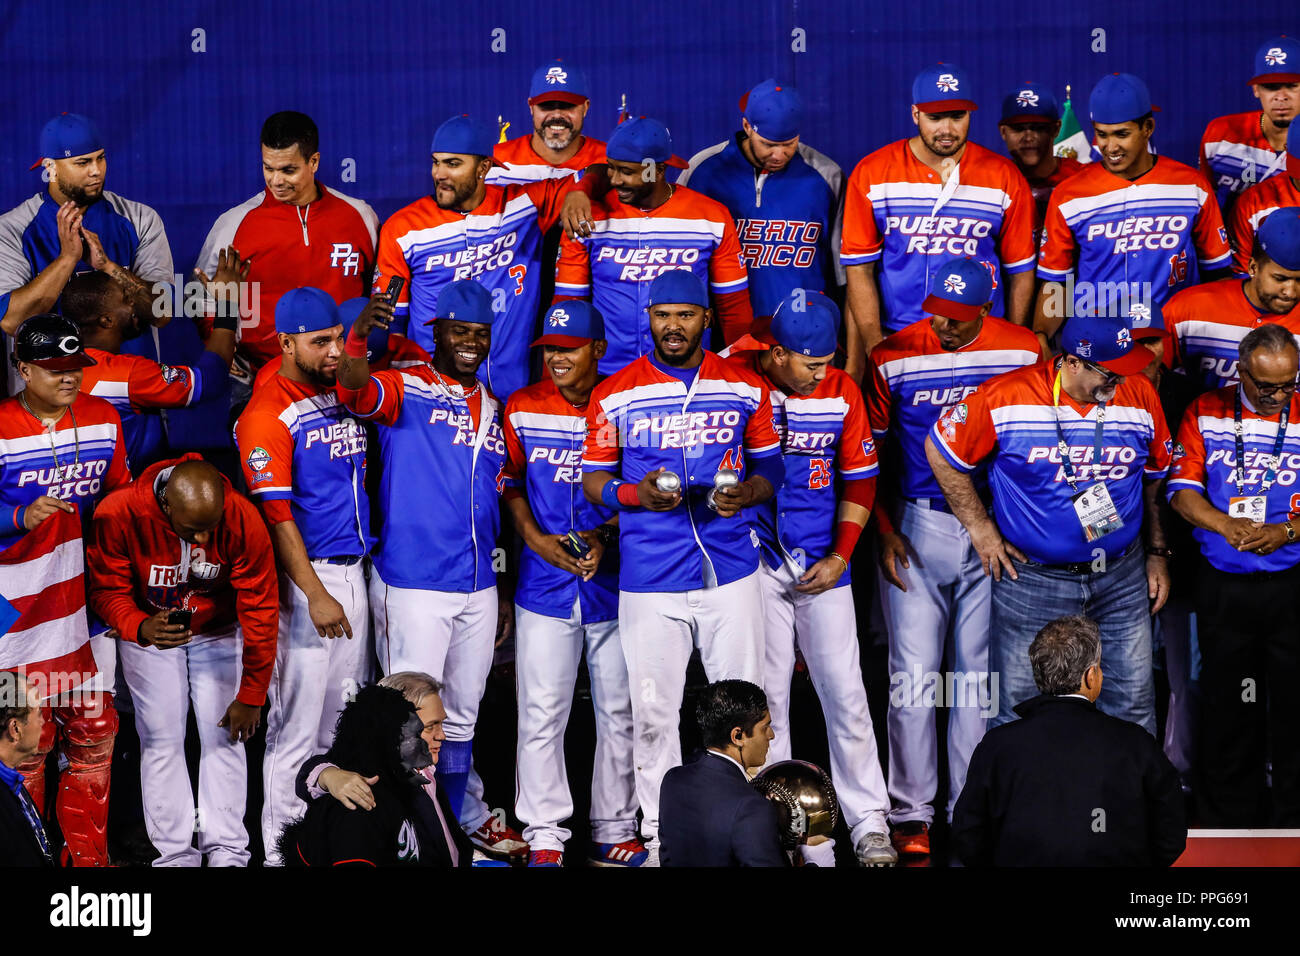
{"x":874,"y":849}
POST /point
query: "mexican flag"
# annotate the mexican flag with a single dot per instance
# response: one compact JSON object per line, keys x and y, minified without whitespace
{"x":1072,"y":141}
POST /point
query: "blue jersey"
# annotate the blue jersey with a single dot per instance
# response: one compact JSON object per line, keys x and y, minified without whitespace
{"x":788,"y":223}
{"x":441,"y":455}
{"x":544,"y":437}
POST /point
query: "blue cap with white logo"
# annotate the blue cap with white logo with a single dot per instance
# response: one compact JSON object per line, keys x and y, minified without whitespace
{"x":1029,"y":102}
{"x":557,"y":80}
{"x":464,"y":301}
{"x":68,"y":135}
{"x":377,"y":340}
{"x":306,"y":309}
{"x":961,"y":288}
{"x":1279,"y":236}
{"x":678,"y":287}
{"x":942,"y":88}
{"x":806,"y":322}
{"x":1277,"y":61}
{"x":1119,"y":98}
{"x":1146,"y":320}
{"x":466,"y":135}
{"x":636,"y":140}
{"x":1105,"y":342}
{"x":773,"y":110}
{"x":571,"y":325}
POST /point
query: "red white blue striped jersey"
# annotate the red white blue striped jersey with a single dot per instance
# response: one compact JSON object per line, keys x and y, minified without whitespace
{"x":1205,"y":461}
{"x":898,"y":213}
{"x":1208,"y":322}
{"x":1152,"y":235}
{"x":523,"y":165}
{"x":641,"y":419}
{"x":1249,"y":211}
{"x":544,"y":438}
{"x":911,"y":379}
{"x":1235,"y":154}
{"x":1010,"y":422}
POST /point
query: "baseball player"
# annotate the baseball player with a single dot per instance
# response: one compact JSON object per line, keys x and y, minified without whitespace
{"x":181,"y":566}
{"x":296,"y":232}
{"x":304,"y":461}
{"x":433,"y":592}
{"x":1208,"y":321}
{"x":557,"y":147}
{"x":1258,"y":201}
{"x":785,"y":197}
{"x":63,"y":450}
{"x":467,"y":229}
{"x":808,"y":534}
{"x":566,"y":604}
{"x":688,"y":576}
{"x":914,"y":204}
{"x":933,"y":591}
{"x":643,"y":228}
{"x":138,"y":387}
{"x":1133,"y":224}
{"x":1030,"y":121}
{"x":1241,"y":149}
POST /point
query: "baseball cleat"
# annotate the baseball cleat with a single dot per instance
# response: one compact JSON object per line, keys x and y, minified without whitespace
{"x":912,"y":838}
{"x":874,"y":850}
{"x":546,"y":858}
{"x":505,"y":843}
{"x":628,"y":853}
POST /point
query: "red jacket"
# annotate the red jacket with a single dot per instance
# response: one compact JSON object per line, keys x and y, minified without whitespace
{"x":133,"y":563}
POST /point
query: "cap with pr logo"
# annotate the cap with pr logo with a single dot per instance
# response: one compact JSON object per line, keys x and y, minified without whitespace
{"x":961,"y":287}
{"x":1105,"y":342}
{"x":942,"y":88}
{"x":571,"y":325}
{"x":557,"y":80}
{"x":1277,"y":61}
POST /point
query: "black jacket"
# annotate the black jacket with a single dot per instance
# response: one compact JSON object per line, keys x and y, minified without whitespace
{"x":710,"y":815}
{"x":18,"y":844}
{"x":1067,"y":785}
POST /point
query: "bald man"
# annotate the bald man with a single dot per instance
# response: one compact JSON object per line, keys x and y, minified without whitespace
{"x":181,"y":566}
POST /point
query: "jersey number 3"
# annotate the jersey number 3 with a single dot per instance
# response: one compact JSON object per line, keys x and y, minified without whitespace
{"x":819,"y":473}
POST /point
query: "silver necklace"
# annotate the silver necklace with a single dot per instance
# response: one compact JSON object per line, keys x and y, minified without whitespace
{"x":48,"y":424}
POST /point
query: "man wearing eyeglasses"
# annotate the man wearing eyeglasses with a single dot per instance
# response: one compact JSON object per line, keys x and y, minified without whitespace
{"x":1233,"y":478}
{"x":1076,"y":447}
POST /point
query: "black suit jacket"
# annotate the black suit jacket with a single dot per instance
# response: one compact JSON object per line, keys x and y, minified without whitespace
{"x":18,"y":844}
{"x":710,"y":815}
{"x":1067,"y":785}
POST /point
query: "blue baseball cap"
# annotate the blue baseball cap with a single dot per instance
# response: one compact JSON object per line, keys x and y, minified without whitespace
{"x":466,"y":135}
{"x":636,"y":140}
{"x":961,"y":288}
{"x":68,"y":135}
{"x":306,"y":309}
{"x":773,"y":110}
{"x":465,"y":301}
{"x":678,"y":286}
{"x":1145,"y":318}
{"x":942,"y":88}
{"x":571,"y":325}
{"x":377,"y":340}
{"x":1028,"y":102}
{"x":1119,"y":98}
{"x":806,"y":322}
{"x":1105,"y":342}
{"x":556,"y":80}
{"x":1279,"y":236}
{"x":1277,"y":61}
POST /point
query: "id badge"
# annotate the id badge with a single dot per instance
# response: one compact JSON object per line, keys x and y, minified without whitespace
{"x":1251,"y":507}
{"x":1096,"y":511}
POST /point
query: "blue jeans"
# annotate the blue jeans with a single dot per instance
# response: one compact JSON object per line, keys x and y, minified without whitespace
{"x":1115,"y":598}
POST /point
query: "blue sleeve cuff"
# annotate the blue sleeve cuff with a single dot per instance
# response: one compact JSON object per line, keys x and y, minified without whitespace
{"x":771,"y":467}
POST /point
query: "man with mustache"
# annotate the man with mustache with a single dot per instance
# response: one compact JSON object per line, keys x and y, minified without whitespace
{"x":557,"y":147}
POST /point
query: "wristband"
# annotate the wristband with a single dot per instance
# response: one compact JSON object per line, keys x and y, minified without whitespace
{"x":846,"y":539}
{"x":628,"y":496}
{"x":354,"y":347}
{"x":223,"y":321}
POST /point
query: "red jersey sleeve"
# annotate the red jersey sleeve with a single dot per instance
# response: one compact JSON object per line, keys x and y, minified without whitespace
{"x":1016,"y":237}
{"x":857,"y":447}
{"x":573,"y":270}
{"x":1243,"y":235}
{"x":389,"y":262}
{"x":761,"y":439}
{"x":379,"y":400}
{"x":964,"y":433}
{"x":512,"y":471}
{"x":1056,"y":258}
{"x":1162,"y":446}
{"x":111,"y":577}
{"x":1208,"y":232}
{"x":860,"y":240}
{"x":1187,"y":467}
{"x":265,"y":456}
{"x":118,"y":474}
{"x":150,"y":385}
{"x":548,"y":196}
{"x":600,"y":449}
{"x":878,"y":398}
{"x":257,"y":598}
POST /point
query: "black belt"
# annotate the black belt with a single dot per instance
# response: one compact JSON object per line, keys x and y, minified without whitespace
{"x":1085,"y":567}
{"x":932,"y":504}
{"x":345,"y":560}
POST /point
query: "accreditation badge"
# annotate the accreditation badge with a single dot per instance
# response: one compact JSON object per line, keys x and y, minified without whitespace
{"x":1251,"y":507}
{"x":1096,"y":511}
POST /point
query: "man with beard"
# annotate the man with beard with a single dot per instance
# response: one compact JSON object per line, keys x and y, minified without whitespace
{"x":933,"y":592}
{"x":138,"y":387}
{"x":1029,"y":124}
{"x":688,"y":576}
{"x":914,"y":204}
{"x":67,"y":229}
{"x":1259,"y":201}
{"x":1241,"y":149}
{"x":557,"y":146}
{"x":467,"y":229}
{"x":1076,"y":449}
{"x":1132,"y":227}
{"x":303,"y":456}
{"x":433,"y":591}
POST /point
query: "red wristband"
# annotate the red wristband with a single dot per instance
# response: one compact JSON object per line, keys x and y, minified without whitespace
{"x":846,"y":538}
{"x":354,"y":347}
{"x":627,"y":495}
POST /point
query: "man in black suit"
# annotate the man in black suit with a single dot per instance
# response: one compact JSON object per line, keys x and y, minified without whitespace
{"x":22,"y":837}
{"x":1067,"y":785}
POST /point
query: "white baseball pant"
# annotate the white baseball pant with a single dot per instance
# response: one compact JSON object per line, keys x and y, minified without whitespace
{"x":164,"y":682}
{"x":547,"y":653}
{"x":825,"y":629}
{"x":313,"y":678}
{"x":658,"y":630}
{"x":948,"y":598}
{"x":450,"y":637}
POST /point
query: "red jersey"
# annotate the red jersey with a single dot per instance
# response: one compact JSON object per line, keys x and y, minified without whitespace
{"x":137,"y":566}
{"x":1041,"y":189}
{"x":524,"y":165}
{"x":1235,"y":154}
{"x":329,"y":244}
{"x":1251,"y":208}
{"x":1207,"y":322}
{"x":402,"y":353}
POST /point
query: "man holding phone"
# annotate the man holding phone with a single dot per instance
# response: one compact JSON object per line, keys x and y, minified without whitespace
{"x":184,"y":625}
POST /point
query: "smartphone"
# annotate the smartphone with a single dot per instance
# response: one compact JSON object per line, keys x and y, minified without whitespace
{"x":182,"y":616}
{"x":394,"y":289}
{"x":575,"y":545}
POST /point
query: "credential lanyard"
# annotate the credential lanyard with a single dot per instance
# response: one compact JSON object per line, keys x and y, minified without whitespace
{"x":1270,"y":473}
{"x":1070,"y":476}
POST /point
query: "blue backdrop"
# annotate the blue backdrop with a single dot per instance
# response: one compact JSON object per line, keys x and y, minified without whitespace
{"x":179,"y":89}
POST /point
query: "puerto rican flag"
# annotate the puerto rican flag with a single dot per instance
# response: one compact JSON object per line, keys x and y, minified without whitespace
{"x":43,"y":629}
